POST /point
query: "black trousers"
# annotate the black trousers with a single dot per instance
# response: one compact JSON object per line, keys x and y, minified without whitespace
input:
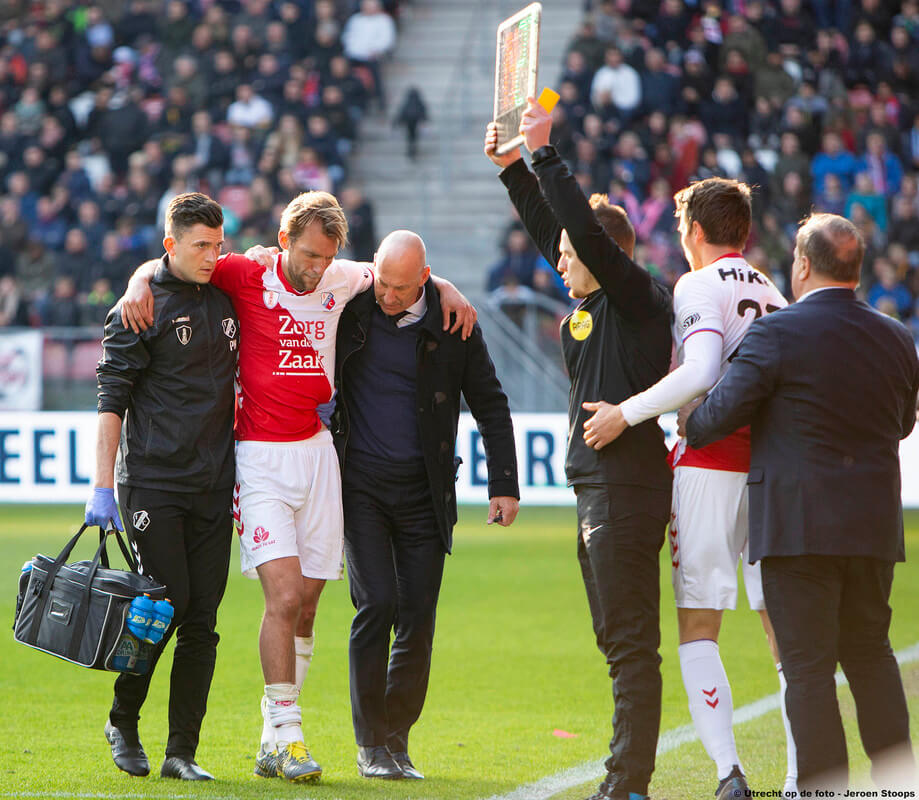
{"x":395,"y":558}
{"x":829,"y":609}
{"x":183,"y":541}
{"x":620,"y":534}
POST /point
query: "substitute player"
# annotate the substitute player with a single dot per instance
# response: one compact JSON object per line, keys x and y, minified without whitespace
{"x":714,"y":305}
{"x":288,"y":494}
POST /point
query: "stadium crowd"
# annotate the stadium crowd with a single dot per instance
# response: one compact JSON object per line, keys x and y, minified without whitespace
{"x":108,"y":110}
{"x":815,"y":103}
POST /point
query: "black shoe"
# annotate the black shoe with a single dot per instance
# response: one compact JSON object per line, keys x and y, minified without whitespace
{"x":409,"y":770}
{"x":185,"y":770}
{"x":734,"y":785}
{"x":606,"y":792}
{"x":377,"y":762}
{"x":127,"y":751}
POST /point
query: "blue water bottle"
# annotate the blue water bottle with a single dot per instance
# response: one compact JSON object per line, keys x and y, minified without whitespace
{"x":140,"y":617}
{"x":162,"y":616}
{"x":23,"y":585}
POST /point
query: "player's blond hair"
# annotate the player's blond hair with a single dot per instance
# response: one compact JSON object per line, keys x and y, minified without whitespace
{"x":305,"y":208}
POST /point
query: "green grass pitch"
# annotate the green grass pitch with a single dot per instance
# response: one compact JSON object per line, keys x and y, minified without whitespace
{"x":515,"y":665}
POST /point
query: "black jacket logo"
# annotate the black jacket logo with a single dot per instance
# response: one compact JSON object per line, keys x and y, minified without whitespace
{"x":184,"y":333}
{"x":229,"y":327}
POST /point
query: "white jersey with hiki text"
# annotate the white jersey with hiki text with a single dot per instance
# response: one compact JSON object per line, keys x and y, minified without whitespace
{"x":724,"y":297}
{"x":286,"y":344}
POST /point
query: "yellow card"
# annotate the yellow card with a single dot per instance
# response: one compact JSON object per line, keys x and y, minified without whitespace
{"x":547,"y":99}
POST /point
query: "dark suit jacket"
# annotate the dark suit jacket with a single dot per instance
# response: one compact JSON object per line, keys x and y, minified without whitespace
{"x":829,"y":387}
{"x":447,"y":367}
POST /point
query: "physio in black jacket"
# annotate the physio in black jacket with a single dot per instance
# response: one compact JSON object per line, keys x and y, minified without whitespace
{"x":616,"y":341}
{"x":399,"y":377}
{"x":166,"y":407}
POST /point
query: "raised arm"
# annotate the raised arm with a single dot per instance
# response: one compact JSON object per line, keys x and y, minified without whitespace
{"x":630,"y":288}
{"x":523,"y":190}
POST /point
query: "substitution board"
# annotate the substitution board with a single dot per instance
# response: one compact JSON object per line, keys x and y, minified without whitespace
{"x":515,"y":72}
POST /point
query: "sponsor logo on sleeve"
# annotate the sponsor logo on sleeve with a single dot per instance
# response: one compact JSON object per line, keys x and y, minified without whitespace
{"x":691,"y":320}
{"x":580,"y":325}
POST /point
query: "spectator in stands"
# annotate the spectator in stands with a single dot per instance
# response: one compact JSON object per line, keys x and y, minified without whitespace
{"x":14,"y":230}
{"x":367,"y":37}
{"x":78,"y":260}
{"x":865,"y":194}
{"x":889,"y":288}
{"x":660,"y":88}
{"x":14,"y":310}
{"x":362,"y":238}
{"x":904,"y":225}
{"x":35,"y":268}
{"x":832,"y":200}
{"x":883,"y":167}
{"x":412,"y":113}
{"x":616,"y":83}
{"x":833,"y":160}
{"x":723,"y":111}
{"x":249,"y":109}
{"x":518,"y":265}
{"x":63,"y":307}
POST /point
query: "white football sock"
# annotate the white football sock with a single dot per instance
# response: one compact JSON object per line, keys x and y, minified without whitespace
{"x":268,"y":739}
{"x":303,"y":655}
{"x":791,"y":753}
{"x":710,"y":702}
{"x":284,"y":713}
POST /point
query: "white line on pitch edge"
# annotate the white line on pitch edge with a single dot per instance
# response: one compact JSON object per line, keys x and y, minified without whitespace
{"x":669,"y":740}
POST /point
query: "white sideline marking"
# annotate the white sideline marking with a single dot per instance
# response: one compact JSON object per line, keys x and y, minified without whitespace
{"x":669,"y":740}
{"x":541,"y":789}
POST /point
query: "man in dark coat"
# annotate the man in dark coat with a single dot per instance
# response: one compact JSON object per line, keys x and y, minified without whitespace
{"x":399,"y":377}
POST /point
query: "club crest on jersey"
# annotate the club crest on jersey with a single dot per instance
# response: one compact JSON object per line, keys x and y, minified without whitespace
{"x":184,"y":333}
{"x":229,"y":327}
{"x":270,"y":298}
{"x":141,"y":520}
{"x":328,"y":300}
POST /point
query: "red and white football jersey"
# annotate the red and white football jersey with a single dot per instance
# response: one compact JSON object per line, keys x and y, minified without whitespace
{"x":287,"y":344}
{"x":724,"y":297}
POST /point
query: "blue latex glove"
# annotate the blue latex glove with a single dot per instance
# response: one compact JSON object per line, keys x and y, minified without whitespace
{"x":102,"y":510}
{"x":325,"y":410}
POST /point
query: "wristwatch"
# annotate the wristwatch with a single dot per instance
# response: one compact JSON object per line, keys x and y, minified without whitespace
{"x":543,"y":153}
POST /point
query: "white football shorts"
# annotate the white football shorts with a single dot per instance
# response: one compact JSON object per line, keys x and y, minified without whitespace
{"x":288,"y":503}
{"x":708,"y":536}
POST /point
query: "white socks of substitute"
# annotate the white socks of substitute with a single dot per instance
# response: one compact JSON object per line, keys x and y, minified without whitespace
{"x":710,"y":702}
{"x":280,"y":712}
{"x":791,"y":775}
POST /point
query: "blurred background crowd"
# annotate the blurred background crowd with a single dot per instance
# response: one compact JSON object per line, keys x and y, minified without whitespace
{"x":813,"y":102}
{"x":109,"y":109}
